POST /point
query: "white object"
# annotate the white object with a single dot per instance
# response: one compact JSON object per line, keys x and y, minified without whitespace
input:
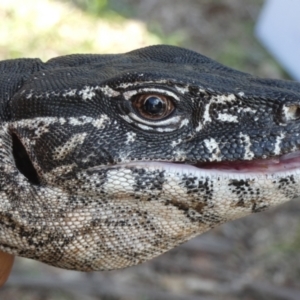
{"x":278,"y":29}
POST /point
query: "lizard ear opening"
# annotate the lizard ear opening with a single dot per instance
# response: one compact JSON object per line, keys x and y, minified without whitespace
{"x":23,"y":162}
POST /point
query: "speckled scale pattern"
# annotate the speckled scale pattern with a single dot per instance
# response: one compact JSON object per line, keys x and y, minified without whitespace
{"x":108,"y":194}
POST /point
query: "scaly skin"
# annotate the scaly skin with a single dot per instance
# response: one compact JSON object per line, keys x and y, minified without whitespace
{"x":90,"y":180}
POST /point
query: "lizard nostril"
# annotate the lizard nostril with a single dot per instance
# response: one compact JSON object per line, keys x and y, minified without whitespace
{"x":290,"y":112}
{"x":23,"y":162}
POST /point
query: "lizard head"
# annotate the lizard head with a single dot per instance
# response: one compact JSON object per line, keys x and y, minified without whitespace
{"x":118,"y":158}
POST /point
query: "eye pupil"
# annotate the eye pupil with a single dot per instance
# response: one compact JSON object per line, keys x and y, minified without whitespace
{"x":154,"y":105}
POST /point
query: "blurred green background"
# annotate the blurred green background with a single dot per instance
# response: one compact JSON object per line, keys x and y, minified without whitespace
{"x":222,"y":30}
{"x":253,"y":258}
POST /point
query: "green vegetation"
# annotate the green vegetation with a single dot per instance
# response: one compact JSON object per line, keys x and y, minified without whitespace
{"x":45,"y":28}
{"x":48,"y":28}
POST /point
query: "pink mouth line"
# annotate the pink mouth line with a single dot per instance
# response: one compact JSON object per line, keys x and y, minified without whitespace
{"x":277,"y":164}
{"x":285,"y":162}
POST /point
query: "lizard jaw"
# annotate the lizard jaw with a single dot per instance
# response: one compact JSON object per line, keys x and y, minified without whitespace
{"x":276,"y":164}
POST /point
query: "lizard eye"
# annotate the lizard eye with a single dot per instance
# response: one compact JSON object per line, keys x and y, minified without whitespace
{"x":154,"y":107}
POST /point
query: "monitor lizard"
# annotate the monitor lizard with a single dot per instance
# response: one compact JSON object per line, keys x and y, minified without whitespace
{"x":107,"y":161}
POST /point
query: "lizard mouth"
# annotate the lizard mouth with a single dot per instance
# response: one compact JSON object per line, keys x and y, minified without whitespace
{"x":275,"y":164}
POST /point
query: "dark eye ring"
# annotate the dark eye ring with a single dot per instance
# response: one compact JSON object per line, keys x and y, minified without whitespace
{"x":153,"y":106}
